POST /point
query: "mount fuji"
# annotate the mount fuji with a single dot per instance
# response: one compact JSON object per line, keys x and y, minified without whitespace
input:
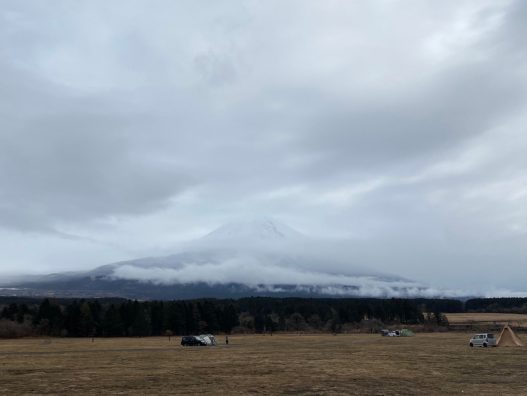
{"x":240,"y":259}
{"x":254,"y":231}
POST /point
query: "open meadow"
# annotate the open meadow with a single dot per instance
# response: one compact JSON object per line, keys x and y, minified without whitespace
{"x":516,"y":320}
{"x":432,"y":363}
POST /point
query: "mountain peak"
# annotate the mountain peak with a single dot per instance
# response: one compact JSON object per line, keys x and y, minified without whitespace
{"x":254,"y":230}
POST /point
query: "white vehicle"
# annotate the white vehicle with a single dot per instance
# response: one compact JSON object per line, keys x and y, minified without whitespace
{"x":483,"y":340}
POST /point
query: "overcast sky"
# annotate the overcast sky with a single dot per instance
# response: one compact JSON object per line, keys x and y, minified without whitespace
{"x":127,"y":127}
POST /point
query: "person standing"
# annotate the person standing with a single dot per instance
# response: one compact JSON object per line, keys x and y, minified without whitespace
{"x":226,"y":340}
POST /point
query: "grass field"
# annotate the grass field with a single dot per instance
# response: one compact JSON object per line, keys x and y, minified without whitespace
{"x":502,"y":318}
{"x":439,"y":363}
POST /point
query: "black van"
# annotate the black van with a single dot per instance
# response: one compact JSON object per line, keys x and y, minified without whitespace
{"x":192,"y":341}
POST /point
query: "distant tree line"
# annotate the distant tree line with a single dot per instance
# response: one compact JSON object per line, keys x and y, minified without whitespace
{"x":116,"y":318}
{"x":93,"y":318}
{"x":503,"y":305}
{"x":119,"y":317}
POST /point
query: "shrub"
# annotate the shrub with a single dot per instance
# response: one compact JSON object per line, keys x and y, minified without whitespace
{"x":12,"y":329}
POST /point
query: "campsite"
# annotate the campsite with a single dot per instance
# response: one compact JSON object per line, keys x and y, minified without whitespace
{"x":158,"y":348}
{"x":435,"y":363}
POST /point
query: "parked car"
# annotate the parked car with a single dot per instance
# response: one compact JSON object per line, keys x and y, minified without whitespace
{"x":483,"y":340}
{"x":192,"y":341}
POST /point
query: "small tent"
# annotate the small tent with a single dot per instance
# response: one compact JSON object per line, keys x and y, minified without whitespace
{"x":507,"y":337}
{"x":209,"y":339}
{"x":406,"y":333}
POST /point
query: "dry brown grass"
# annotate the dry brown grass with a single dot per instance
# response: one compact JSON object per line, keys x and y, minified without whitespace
{"x":440,"y":363}
{"x":501,"y":318}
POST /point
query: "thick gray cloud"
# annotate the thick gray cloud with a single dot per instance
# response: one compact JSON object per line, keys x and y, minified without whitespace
{"x":78,"y":167}
{"x":127,"y":127}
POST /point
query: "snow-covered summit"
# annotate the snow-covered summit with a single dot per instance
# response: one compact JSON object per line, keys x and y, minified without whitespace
{"x":255,"y":230}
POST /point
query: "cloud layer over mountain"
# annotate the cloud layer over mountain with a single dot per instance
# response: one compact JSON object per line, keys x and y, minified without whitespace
{"x":269,"y":257}
{"x":397,"y":127}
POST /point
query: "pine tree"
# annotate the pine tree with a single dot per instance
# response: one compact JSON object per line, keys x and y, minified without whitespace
{"x":86,"y":322}
{"x":174,"y":318}
{"x":229,"y":319}
{"x":141,"y":324}
{"x":112,"y":325}
{"x":72,"y":319}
